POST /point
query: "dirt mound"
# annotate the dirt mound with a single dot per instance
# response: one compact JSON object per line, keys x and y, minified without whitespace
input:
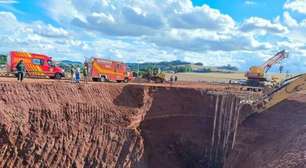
{"x":275,"y":138}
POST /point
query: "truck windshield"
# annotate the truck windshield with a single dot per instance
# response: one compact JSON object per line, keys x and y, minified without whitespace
{"x":50,"y":63}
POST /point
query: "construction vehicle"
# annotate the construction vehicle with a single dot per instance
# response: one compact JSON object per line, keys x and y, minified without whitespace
{"x":155,"y":75}
{"x":36,"y":65}
{"x":281,"y":93}
{"x":108,"y":70}
{"x":256,"y":74}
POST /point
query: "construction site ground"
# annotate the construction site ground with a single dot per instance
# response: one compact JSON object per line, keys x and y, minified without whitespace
{"x":57,"y":123}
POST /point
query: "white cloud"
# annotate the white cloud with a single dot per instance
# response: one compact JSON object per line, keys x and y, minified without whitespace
{"x":48,"y":30}
{"x":297,"y":29}
{"x":248,"y":2}
{"x":167,"y":23}
{"x":289,"y":21}
{"x":124,"y":17}
{"x":8,"y":2}
{"x":34,"y":37}
{"x":296,"y":5}
{"x":260,"y":24}
{"x":200,"y":41}
{"x":202,"y":17}
{"x":153,"y":30}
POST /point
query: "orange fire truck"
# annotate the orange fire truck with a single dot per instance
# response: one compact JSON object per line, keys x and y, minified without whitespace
{"x":36,"y":65}
{"x":108,"y":70}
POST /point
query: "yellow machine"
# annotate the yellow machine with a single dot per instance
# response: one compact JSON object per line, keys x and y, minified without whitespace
{"x":256,"y":74}
{"x":155,"y":75}
{"x":288,"y":87}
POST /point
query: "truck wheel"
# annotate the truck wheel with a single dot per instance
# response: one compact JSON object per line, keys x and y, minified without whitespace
{"x":126,"y":80}
{"x":58,"y":76}
{"x":102,"y":79}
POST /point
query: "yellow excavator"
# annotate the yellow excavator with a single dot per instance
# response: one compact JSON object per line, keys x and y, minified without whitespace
{"x":287,"y":87}
{"x":256,"y":74}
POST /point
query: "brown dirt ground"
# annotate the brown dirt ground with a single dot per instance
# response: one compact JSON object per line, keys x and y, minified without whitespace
{"x":275,"y":138}
{"x":50,"y":123}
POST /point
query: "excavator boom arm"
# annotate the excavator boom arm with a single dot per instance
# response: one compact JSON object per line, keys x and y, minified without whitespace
{"x":274,"y":60}
{"x":277,"y":96}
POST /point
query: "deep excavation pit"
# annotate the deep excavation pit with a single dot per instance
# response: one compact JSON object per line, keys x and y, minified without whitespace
{"x":65,"y":125}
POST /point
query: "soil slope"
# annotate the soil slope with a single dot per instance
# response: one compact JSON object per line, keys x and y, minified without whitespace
{"x":144,"y":126}
{"x":110,"y":125}
{"x":273,"y":139}
{"x":64,"y":125}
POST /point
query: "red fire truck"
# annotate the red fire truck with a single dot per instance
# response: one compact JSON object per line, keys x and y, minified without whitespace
{"x":36,"y":65}
{"x":108,"y":70}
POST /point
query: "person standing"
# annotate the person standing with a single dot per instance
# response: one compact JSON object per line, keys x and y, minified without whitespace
{"x":72,"y":73}
{"x":77,"y":74}
{"x":175,"y":78}
{"x":20,"y":70}
{"x":171,"y":79}
{"x":85,"y":73}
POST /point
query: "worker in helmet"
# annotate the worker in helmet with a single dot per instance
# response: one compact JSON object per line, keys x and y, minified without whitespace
{"x":20,"y":67}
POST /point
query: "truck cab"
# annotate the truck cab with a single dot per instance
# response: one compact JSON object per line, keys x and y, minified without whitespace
{"x":36,"y":65}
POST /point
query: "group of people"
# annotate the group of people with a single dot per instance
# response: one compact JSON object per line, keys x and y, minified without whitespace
{"x":75,"y":73}
{"x":173,"y":79}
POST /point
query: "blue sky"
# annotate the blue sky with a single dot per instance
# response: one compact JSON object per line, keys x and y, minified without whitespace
{"x":214,"y":32}
{"x":242,"y":9}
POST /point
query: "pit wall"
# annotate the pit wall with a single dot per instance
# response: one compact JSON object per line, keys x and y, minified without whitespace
{"x":64,"y":125}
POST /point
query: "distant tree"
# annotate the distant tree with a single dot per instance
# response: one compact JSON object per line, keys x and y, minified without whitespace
{"x":228,"y":67}
{"x":188,"y":68}
{"x":206,"y":70}
{"x":3,"y":59}
{"x":185,"y":68}
{"x":199,"y":64}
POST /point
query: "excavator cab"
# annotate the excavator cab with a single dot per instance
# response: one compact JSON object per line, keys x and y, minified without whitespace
{"x":256,"y":74}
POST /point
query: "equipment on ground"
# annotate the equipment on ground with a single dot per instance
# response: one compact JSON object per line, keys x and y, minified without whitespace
{"x":256,"y":74}
{"x":281,"y":93}
{"x":155,"y":75}
{"x":36,"y":65}
{"x":108,"y":70}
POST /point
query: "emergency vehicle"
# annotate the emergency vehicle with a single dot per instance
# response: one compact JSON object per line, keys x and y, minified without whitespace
{"x":107,"y":70}
{"x":36,"y":65}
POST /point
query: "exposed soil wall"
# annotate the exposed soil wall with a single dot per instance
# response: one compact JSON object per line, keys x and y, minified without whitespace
{"x":64,"y":125}
{"x":274,"y":139}
{"x":188,"y":128}
{"x":107,"y":125}
{"x":50,"y":125}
